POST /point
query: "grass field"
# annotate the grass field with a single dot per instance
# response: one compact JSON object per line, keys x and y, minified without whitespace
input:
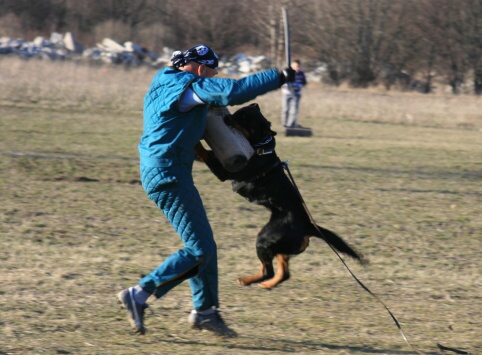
{"x":398,"y":175}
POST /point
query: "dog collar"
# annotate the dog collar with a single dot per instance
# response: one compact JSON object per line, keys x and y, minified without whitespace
{"x":269,"y":139}
{"x":264,"y":151}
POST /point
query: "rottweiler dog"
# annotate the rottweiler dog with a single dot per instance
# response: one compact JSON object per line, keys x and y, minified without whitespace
{"x":263,"y":181}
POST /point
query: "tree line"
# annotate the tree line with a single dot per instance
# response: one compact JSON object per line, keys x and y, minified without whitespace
{"x":407,"y":43}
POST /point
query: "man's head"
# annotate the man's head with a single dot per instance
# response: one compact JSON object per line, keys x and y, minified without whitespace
{"x":296,"y":65}
{"x":200,"y":60}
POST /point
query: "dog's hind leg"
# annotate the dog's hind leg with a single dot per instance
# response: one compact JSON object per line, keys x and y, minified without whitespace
{"x":248,"y":280}
{"x":282,"y":274}
{"x":266,"y":272}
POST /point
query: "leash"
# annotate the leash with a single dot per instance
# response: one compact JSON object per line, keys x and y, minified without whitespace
{"x":441,"y":347}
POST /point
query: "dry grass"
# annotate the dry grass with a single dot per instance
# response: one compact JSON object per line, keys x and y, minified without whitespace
{"x":398,"y":175}
{"x":71,"y":85}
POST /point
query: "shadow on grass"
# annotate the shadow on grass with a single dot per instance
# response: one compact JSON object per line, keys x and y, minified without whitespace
{"x":286,"y":346}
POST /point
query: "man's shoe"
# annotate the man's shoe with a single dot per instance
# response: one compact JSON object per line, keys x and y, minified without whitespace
{"x":211,"y":322}
{"x":135,"y":311}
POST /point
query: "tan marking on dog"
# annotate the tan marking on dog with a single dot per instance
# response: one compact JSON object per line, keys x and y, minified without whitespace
{"x":282,"y":274}
{"x":248,"y":280}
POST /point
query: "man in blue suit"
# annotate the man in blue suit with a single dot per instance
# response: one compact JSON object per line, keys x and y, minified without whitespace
{"x":175,"y":113}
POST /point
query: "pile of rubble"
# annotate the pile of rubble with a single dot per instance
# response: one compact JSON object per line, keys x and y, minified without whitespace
{"x":57,"y":47}
{"x":65,"y":47}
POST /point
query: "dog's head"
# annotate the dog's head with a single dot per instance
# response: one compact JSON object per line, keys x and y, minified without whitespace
{"x":251,"y":122}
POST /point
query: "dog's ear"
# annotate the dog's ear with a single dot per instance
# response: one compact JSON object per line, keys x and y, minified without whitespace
{"x":256,"y":106}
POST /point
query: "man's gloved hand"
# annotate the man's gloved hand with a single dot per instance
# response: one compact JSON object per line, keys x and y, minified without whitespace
{"x":287,"y":75}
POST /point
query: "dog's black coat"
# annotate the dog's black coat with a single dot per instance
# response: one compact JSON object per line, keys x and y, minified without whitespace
{"x":264,"y":182}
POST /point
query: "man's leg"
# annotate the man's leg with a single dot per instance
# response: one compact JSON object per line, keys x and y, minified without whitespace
{"x":189,"y":218}
{"x":182,"y":205}
{"x":292,"y":111}
{"x":296,"y":109}
{"x":284,"y":108}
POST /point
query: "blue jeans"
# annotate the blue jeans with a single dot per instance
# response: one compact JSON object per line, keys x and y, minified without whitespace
{"x":172,"y":190}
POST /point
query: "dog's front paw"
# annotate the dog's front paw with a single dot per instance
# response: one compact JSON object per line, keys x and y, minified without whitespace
{"x":248,"y":280}
{"x":242,"y":282}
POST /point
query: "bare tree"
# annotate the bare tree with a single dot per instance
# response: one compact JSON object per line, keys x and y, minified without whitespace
{"x":360,"y":39}
{"x":263,"y":23}
{"x":473,"y":15}
{"x":210,"y":21}
{"x":446,"y":28}
{"x":33,"y":15}
{"x":379,"y":38}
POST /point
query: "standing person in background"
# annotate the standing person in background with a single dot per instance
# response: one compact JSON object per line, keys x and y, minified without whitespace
{"x":175,"y":113}
{"x":291,"y":96}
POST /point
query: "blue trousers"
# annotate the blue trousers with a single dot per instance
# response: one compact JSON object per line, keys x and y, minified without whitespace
{"x":172,"y":190}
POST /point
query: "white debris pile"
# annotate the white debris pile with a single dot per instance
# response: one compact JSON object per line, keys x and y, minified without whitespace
{"x":65,"y":47}
{"x":244,"y":64}
{"x":39,"y":47}
{"x":129,"y":53}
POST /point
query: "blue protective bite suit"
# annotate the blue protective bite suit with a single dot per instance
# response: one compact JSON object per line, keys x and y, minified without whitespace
{"x":166,"y":159}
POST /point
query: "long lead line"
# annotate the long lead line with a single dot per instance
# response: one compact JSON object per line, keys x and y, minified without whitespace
{"x":285,"y":166}
{"x":440,"y":346}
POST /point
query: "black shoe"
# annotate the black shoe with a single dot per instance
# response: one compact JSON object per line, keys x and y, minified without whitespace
{"x":135,"y":311}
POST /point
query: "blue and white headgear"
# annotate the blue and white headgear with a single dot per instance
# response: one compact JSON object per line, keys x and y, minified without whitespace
{"x":201,"y":54}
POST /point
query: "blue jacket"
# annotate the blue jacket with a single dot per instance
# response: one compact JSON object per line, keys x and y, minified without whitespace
{"x":300,"y":80}
{"x":170,"y":135}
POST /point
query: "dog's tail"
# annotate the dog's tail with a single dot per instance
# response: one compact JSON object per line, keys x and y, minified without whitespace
{"x":339,"y":244}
